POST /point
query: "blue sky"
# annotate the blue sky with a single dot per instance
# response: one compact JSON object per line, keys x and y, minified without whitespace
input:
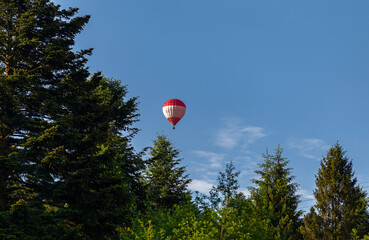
{"x":253,"y":74}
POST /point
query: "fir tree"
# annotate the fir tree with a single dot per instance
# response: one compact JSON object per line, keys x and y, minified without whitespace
{"x":341,"y":204}
{"x":274,"y":197}
{"x":313,"y":226}
{"x":97,"y":172}
{"x":36,"y":38}
{"x":63,"y":155}
{"x":166,"y":181}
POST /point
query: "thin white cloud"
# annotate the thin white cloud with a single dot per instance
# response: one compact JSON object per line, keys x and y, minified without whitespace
{"x":200,"y":186}
{"x":233,"y":133}
{"x":214,"y":159}
{"x":305,"y":194}
{"x":307,"y":199}
{"x":312,"y":148}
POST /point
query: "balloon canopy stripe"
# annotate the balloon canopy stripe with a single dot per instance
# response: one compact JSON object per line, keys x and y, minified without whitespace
{"x":175,"y":102}
{"x":174,"y":111}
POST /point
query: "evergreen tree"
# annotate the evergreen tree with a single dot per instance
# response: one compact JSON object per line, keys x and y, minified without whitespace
{"x":313,"y":226}
{"x":166,"y":181}
{"x":36,"y":38}
{"x":341,"y":204}
{"x":275,"y":199}
{"x":63,"y":155}
{"x":97,"y":172}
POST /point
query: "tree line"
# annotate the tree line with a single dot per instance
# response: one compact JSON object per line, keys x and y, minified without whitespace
{"x":68,"y":169}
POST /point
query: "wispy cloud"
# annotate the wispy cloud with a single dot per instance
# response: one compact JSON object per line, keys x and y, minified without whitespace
{"x":200,"y":186}
{"x":312,"y":148}
{"x":305,"y":194}
{"x":214,"y":159}
{"x":234,"y":133}
{"x":307,"y":201}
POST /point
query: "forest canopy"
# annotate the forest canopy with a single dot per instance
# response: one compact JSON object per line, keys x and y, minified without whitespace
{"x":69,"y":170}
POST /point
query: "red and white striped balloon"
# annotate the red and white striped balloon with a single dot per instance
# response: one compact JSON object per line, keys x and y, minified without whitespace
{"x":174,"y":110}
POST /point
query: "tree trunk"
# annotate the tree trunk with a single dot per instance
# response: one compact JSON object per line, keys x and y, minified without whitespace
{"x":222,"y":229}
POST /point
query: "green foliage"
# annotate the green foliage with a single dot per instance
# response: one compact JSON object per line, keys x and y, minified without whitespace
{"x":232,"y":218}
{"x":165,"y":180}
{"x":102,"y":168}
{"x":226,"y":188}
{"x":65,"y":152}
{"x":313,"y":225}
{"x":233,"y":215}
{"x":275,"y":199}
{"x":340,"y":202}
{"x":28,"y":221}
{"x":36,"y":39}
{"x":179,"y":223}
{"x":366,"y":237}
{"x":68,"y":169}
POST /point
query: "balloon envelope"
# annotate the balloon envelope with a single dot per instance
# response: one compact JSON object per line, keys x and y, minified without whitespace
{"x":174,"y":110}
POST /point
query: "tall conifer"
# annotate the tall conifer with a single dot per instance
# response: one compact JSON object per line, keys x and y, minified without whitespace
{"x":274,"y":197}
{"x":63,"y":154}
{"x":36,"y":39}
{"x":166,"y":181}
{"x":341,"y":203}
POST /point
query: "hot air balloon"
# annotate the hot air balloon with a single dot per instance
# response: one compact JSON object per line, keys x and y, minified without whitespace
{"x":174,"y":110}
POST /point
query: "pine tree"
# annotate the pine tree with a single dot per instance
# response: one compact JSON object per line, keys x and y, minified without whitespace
{"x":341,"y":204}
{"x":274,"y":197}
{"x":166,"y":181}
